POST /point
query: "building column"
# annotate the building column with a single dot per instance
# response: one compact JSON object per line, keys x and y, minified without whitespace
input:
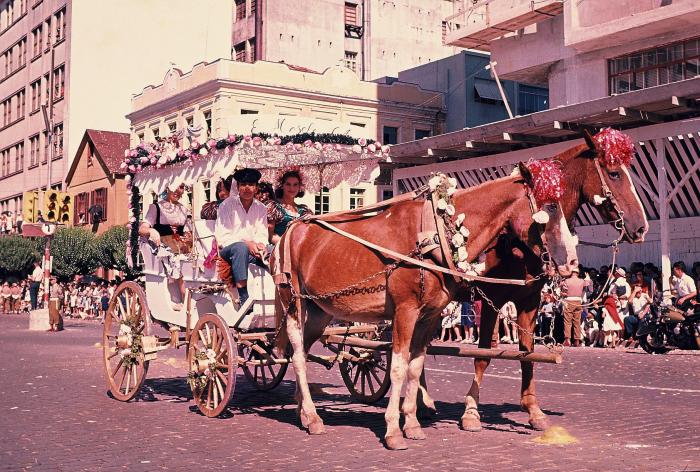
{"x":663,"y":215}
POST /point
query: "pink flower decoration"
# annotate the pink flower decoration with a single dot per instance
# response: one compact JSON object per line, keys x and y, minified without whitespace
{"x":138,"y":168}
{"x":153,"y":161}
{"x":145,"y":160}
{"x":194,"y":144}
{"x":123,"y":166}
{"x":547,"y":181}
{"x":231,"y":138}
{"x":247,"y":138}
{"x":338,"y":147}
{"x":289,"y":146}
{"x":357,"y":149}
{"x":278,"y":141}
{"x":327,"y":147}
{"x":133,"y":153}
{"x":616,"y":146}
{"x":372,"y":148}
{"x":298,"y":146}
{"x":308,"y":143}
{"x":378,"y":144}
{"x":132,"y":168}
{"x":211,"y":144}
{"x":362,"y":142}
{"x":257,"y":141}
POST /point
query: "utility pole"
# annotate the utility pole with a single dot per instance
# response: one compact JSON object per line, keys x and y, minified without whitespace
{"x":48,"y":121}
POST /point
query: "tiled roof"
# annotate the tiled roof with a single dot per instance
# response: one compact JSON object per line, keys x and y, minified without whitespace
{"x":110,"y":147}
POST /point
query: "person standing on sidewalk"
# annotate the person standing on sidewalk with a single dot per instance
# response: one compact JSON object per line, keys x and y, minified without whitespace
{"x":572,"y":289}
{"x":34,"y":284}
{"x":55,"y":300}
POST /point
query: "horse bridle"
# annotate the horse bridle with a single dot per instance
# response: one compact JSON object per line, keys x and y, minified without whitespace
{"x":619,"y":223}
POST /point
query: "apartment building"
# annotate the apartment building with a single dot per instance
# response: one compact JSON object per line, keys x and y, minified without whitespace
{"x":374,"y":38}
{"x":82,"y":60}
{"x":584,"y":50}
{"x":234,"y":97}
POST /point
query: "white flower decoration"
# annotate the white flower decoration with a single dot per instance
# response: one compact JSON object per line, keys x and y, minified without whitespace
{"x":452,"y":182}
{"x":434,"y":182}
{"x":451,"y":191}
{"x":124,"y":353}
{"x":463,"y":266}
{"x":462,"y":254}
{"x":442,"y":204}
{"x":598,"y":200}
{"x":124,"y":329}
{"x":450,"y":210}
{"x":203,"y":151}
{"x":458,"y":240}
{"x":357,"y":149}
{"x":464,"y":231}
{"x":541,"y":217}
{"x":460,"y":219}
{"x":211,"y":354}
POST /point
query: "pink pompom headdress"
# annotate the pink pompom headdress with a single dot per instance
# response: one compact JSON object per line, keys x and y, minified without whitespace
{"x":615,"y":146}
{"x":547,"y":181}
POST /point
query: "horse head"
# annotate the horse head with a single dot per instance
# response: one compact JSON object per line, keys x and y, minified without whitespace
{"x":548,"y":223}
{"x":608,"y":184}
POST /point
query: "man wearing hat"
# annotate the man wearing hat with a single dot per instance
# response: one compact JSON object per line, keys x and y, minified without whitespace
{"x":572,"y":289}
{"x":241,"y":229}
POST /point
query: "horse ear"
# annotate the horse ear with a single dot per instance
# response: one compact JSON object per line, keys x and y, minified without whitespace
{"x":525,"y":173}
{"x":589,"y":139}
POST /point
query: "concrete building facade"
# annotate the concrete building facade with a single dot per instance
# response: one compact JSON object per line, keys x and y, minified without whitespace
{"x":471,"y":95}
{"x":82,"y":59}
{"x":234,"y":97}
{"x":584,"y":50}
{"x":374,"y":38}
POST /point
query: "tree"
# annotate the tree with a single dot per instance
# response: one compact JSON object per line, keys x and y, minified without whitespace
{"x":17,"y":255}
{"x":74,"y":253}
{"x":111,"y":248}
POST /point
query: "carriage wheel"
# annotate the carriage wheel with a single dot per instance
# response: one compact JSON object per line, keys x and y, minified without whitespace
{"x":263,"y":377}
{"x":126,"y":321}
{"x":211,"y":355}
{"x":367,"y":380}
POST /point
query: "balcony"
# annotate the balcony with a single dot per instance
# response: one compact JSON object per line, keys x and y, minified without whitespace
{"x":475,"y":25}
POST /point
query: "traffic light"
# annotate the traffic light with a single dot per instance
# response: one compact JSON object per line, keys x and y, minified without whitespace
{"x":51,"y":206}
{"x":30,"y":206}
{"x":65,"y":208}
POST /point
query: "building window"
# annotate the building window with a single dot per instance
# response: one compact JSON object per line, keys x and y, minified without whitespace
{"x":140,"y":137}
{"x":99,"y":198}
{"x":652,"y":67}
{"x":240,"y":10}
{"x":251,"y":50}
{"x":206,"y":187}
{"x":422,"y":133}
{"x":34,"y":151}
{"x":532,"y":99}
{"x":36,"y":94}
{"x":248,"y":112}
{"x":156,"y":133}
{"x":387,"y":194}
{"x":59,"y":79}
{"x":60,"y":22}
{"x":172,"y":127}
{"x":22,"y":52}
{"x":19,"y":157}
{"x":47,"y":89}
{"x":190,"y":121}
{"x":239,"y":52}
{"x":58,"y":140}
{"x":486,"y":91}
{"x":350,"y":14}
{"x":351,"y":60}
{"x":81,"y":208}
{"x":322,"y":202}
{"x":390,"y":135}
{"x":357,"y":198}
{"x":45,"y":137}
{"x":207,"y":122}
{"x":21,"y":104}
{"x":252,"y":7}
{"x":37,"y":41}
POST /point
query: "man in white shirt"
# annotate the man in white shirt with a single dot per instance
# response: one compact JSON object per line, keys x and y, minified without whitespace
{"x":241,"y":229}
{"x":34,"y":282}
{"x":683,"y":285}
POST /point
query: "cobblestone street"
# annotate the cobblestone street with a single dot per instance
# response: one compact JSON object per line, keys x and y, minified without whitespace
{"x":628,"y":411}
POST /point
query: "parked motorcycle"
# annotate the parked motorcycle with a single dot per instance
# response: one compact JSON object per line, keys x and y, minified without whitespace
{"x":667,"y":327}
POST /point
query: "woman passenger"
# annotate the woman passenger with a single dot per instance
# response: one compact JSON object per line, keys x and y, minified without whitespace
{"x":211,"y":209}
{"x":284,"y":209}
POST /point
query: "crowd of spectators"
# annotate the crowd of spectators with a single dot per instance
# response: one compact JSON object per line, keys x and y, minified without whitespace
{"x":612,"y":302}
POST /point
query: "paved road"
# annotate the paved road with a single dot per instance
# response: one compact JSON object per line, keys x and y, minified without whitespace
{"x":628,"y":411}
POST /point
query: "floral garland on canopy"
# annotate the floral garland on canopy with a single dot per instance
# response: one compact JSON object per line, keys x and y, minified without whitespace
{"x":251,"y":148}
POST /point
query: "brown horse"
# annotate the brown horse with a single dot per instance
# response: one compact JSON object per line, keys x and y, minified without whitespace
{"x":583,"y":184}
{"x":323,"y":262}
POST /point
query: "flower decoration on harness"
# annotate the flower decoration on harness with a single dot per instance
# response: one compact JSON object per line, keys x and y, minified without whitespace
{"x":615,"y":146}
{"x":442,"y":188}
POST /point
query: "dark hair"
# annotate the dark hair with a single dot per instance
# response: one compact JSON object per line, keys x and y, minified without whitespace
{"x":283,"y":179}
{"x":226,"y":183}
{"x":679,"y":265}
{"x":265,"y":188}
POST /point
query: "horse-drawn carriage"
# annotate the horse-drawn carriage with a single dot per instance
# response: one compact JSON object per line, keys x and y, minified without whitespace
{"x":218,"y":335}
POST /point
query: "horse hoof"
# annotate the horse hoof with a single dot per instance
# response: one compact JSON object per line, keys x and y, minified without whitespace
{"x":415,"y":433}
{"x":317,"y":427}
{"x":470,"y":423}
{"x":395,"y":443}
{"x":539,"y":424}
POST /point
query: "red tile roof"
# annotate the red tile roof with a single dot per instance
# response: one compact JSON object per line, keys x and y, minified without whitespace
{"x":110,"y":147}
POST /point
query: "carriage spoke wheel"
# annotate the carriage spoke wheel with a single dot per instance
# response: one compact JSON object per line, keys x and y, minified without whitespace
{"x":126,"y":321}
{"x":263,"y":377}
{"x":368,"y":381}
{"x":212,"y":359}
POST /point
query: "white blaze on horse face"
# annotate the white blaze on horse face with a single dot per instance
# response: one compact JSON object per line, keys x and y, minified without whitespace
{"x":561,"y":244}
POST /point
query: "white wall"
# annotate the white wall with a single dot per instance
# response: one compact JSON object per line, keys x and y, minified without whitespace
{"x":117,"y":48}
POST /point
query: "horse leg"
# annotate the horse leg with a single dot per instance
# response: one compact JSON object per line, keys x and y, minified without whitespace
{"x":528,"y":400}
{"x":305,"y":405}
{"x":471,"y":419}
{"x":426,"y":404}
{"x":412,"y":428}
{"x":404,"y":323}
